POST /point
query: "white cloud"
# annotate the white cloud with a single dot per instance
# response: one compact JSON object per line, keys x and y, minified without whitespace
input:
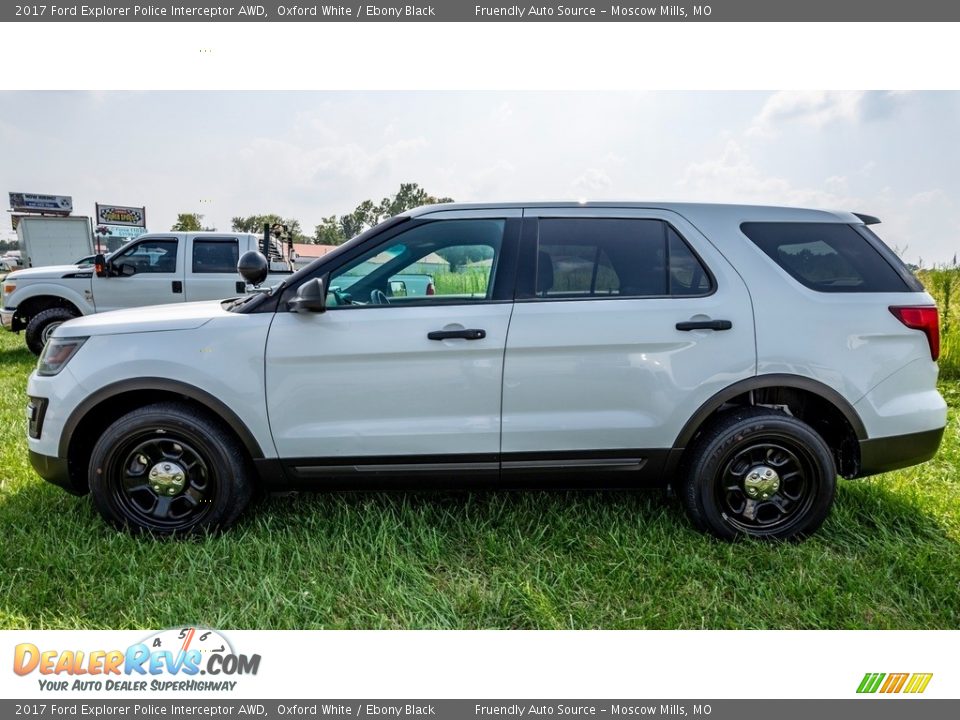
{"x":816,"y":109}
{"x":592,"y":182}
{"x":734,"y":177}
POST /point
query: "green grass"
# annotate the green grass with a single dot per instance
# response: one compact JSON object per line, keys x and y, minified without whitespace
{"x":888,"y":557}
{"x":943,"y":283}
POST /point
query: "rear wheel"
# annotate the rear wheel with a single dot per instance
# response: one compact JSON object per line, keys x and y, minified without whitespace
{"x":169,"y":469}
{"x":41,"y":326}
{"x":759,"y":473}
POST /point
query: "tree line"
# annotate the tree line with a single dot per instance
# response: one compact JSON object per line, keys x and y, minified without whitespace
{"x":333,"y":230}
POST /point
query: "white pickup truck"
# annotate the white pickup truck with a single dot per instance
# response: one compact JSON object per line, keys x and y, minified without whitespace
{"x":154,"y":269}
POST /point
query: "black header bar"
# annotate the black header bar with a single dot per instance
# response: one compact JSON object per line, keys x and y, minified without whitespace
{"x":472,"y":11}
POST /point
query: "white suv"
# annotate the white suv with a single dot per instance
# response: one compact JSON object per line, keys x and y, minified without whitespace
{"x":745,"y":356}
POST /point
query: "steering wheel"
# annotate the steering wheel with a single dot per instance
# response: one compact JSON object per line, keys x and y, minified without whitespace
{"x":378,"y":297}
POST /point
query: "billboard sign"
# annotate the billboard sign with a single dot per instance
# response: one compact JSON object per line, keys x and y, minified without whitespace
{"x":123,"y":231}
{"x":31,"y":202}
{"x":121,"y":215}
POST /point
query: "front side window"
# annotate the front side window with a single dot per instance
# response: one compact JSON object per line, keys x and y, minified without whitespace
{"x":148,"y":256}
{"x":612,"y":257}
{"x":215,"y":256}
{"x":444,"y":261}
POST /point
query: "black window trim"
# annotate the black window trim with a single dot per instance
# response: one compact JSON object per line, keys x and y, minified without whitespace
{"x":530,"y":244}
{"x":219,"y":239}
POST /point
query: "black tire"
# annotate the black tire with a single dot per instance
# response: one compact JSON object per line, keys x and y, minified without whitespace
{"x":44,"y":323}
{"x":728,"y":493}
{"x":169,"y":469}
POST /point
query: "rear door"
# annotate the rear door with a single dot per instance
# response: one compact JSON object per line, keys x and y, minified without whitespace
{"x":212,"y":268}
{"x":626,"y":321}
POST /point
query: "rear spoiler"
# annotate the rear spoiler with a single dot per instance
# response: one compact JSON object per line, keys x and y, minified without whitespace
{"x":868,"y":219}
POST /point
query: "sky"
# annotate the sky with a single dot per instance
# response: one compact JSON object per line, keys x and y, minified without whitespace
{"x":308,"y":155}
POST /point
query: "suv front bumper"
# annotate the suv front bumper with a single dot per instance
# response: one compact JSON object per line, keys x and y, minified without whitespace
{"x":55,"y":470}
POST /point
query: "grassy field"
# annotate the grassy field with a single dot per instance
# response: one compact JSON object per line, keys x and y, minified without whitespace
{"x":888,"y":557}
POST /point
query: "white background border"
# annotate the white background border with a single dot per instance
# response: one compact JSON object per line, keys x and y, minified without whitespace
{"x":502,"y":56}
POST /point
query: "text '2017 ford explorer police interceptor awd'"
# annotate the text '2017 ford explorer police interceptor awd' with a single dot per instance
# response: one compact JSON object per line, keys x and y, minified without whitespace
{"x":745,"y":356}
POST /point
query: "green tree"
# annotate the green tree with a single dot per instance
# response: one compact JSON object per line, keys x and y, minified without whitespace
{"x":409,"y":196}
{"x":335,"y":230}
{"x":189,"y":222}
{"x":254,"y":224}
{"x":328,"y":232}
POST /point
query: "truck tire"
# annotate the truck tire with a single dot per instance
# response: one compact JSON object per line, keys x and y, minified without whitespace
{"x":759,"y":473}
{"x":169,"y":469}
{"x":43,"y":324}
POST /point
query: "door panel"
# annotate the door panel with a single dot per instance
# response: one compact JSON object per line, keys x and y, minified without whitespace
{"x":365,"y":378}
{"x":592,"y":373}
{"x":369,"y":382}
{"x":156,"y":279}
{"x":212,"y":268}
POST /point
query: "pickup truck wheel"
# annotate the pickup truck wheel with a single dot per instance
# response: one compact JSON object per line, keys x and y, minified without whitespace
{"x":169,"y":469}
{"x":42,"y":325}
{"x":759,"y":473}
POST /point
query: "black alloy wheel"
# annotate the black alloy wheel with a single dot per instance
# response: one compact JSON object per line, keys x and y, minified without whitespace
{"x":169,"y":469}
{"x":756,"y":472}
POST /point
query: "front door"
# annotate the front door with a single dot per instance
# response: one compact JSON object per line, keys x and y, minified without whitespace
{"x":146,"y":272}
{"x":404,"y":368}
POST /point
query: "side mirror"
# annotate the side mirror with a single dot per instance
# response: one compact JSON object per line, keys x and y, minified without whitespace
{"x":311,"y":297}
{"x":100,"y":265}
{"x":253,"y":267}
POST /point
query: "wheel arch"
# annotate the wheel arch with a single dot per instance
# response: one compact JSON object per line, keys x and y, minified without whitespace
{"x":42,"y":297}
{"x":817,"y":404}
{"x":97,"y":411}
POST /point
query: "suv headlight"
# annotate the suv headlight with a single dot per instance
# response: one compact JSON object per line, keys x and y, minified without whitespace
{"x":57,"y":353}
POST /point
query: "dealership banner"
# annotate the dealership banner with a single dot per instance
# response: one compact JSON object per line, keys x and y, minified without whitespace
{"x":125,"y":232}
{"x":482,"y":709}
{"x":473,"y":11}
{"x":110,"y":215}
{"x":510,"y":674}
{"x":33,"y":202}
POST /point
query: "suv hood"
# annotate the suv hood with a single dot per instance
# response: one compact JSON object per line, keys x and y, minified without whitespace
{"x":154,"y":318}
{"x":48,"y":272}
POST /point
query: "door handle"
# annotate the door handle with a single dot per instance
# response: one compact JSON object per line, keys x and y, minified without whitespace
{"x":704,"y":325}
{"x":450,"y":334}
{"x":178,"y":286}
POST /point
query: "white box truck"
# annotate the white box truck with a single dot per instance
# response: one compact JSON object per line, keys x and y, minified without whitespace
{"x":54,"y":240}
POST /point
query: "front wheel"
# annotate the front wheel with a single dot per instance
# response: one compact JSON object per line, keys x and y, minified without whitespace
{"x":169,"y":469}
{"x":759,"y":473}
{"x":41,"y":326}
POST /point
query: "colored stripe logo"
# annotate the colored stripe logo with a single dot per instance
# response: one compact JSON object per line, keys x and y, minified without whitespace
{"x":913,"y":683}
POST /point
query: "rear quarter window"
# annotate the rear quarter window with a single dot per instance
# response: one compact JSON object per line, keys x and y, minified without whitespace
{"x":828,"y":257}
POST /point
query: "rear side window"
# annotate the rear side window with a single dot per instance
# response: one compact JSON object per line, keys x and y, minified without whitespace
{"x":215,"y":256}
{"x":827,"y":257}
{"x":612,"y":257}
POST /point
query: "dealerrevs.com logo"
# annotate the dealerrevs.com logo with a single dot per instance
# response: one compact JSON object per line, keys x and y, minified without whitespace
{"x":170,"y":660}
{"x":887,"y":683}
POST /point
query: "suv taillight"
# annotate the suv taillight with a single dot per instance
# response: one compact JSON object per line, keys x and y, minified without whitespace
{"x":923,"y":318}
